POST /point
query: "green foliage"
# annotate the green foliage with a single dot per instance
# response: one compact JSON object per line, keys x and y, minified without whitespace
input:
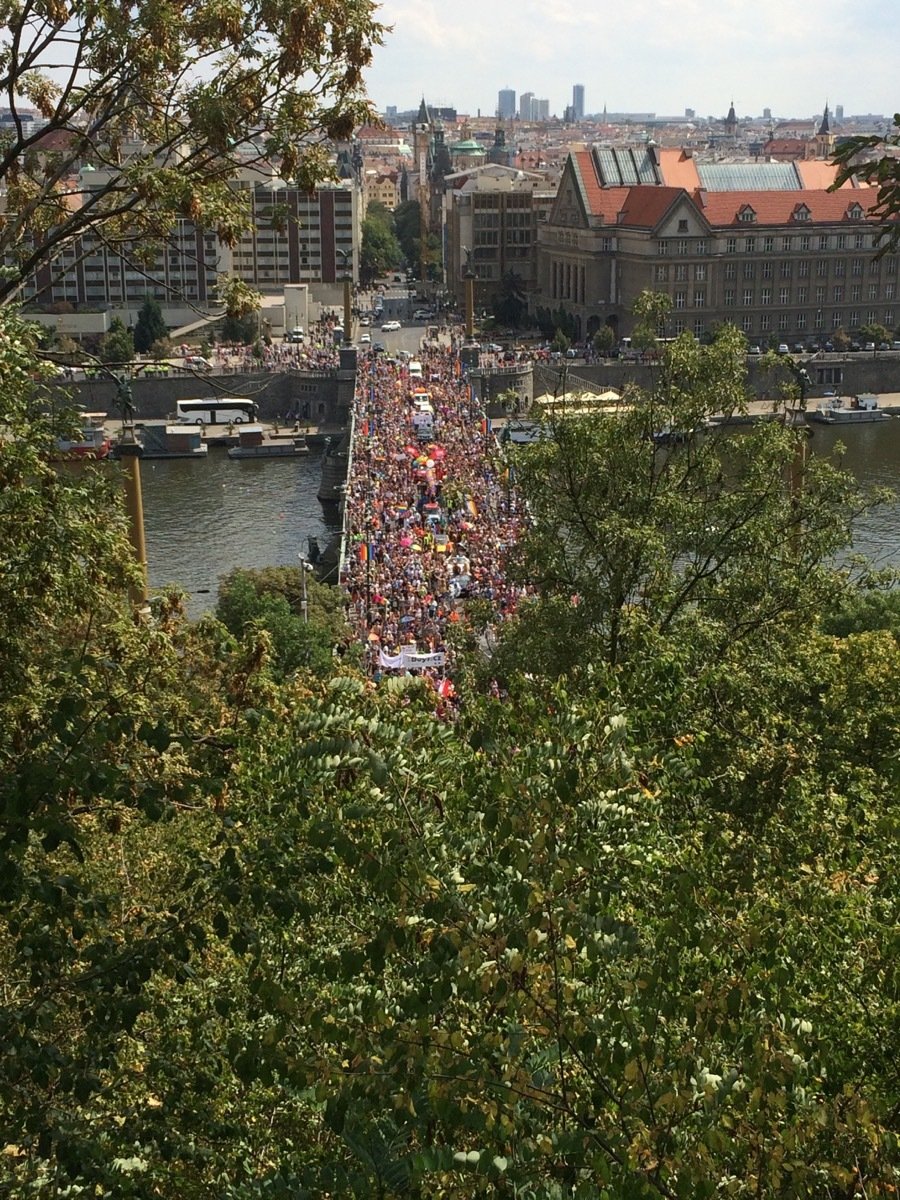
{"x":117,"y":345}
{"x":210,"y":78}
{"x":150,"y":326}
{"x":510,"y":305}
{"x":873,"y":160}
{"x":239,"y":329}
{"x":865,"y":611}
{"x":560,"y":342}
{"x":380,"y":251}
{"x":604,"y":340}
{"x":271,"y":601}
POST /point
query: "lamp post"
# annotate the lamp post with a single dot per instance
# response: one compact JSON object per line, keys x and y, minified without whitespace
{"x":469,"y":276}
{"x":305,"y":568}
{"x":347,"y":256}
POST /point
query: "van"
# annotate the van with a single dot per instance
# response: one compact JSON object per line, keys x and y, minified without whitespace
{"x":296,"y":334}
{"x":415,"y":370}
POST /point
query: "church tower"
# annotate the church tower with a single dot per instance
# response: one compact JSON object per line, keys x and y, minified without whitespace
{"x":825,"y":138}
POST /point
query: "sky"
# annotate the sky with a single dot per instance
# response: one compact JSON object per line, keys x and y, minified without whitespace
{"x":659,"y":56}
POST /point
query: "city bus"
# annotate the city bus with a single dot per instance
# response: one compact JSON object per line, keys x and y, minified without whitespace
{"x":226,"y":410}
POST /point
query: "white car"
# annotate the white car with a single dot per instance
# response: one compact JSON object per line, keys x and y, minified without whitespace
{"x":390,"y":326}
{"x":365,"y":339}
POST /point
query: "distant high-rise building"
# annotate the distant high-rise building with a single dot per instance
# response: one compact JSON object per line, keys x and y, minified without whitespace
{"x":526,"y":100}
{"x":540,"y":110}
{"x":578,"y":101}
{"x":767,"y":114}
{"x":506,"y":104}
{"x":689,"y":114}
{"x":839,"y":112}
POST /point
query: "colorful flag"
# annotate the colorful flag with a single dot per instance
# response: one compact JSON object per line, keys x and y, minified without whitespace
{"x":363,"y":552}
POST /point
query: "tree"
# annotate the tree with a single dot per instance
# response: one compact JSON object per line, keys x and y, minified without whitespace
{"x":216,"y":89}
{"x":407,"y":228}
{"x":560,"y":343}
{"x":840,"y":339}
{"x":875,"y":333}
{"x":627,"y":538}
{"x":150,"y":326}
{"x":117,"y":345}
{"x":604,"y":340}
{"x":511,"y":303}
{"x":873,"y":160}
{"x":380,"y":251}
{"x":239,"y":329}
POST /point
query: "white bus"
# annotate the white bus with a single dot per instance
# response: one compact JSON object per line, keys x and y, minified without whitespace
{"x":223,"y":411}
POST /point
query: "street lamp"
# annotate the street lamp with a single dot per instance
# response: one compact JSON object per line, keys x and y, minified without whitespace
{"x":347,"y":265}
{"x":469,"y":277}
{"x":306,"y":568}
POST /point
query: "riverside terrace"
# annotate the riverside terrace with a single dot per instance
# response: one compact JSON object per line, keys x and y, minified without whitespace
{"x":427,"y":523}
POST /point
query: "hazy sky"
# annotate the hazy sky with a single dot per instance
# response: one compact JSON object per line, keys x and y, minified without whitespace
{"x":657,"y":56}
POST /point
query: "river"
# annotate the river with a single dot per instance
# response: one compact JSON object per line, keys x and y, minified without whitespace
{"x":204,"y":518}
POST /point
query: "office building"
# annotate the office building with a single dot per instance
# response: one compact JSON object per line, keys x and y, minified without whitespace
{"x":526,"y":101}
{"x":578,"y":101}
{"x":506,"y":104}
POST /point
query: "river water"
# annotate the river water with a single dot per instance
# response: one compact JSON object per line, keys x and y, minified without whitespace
{"x":205,"y":517}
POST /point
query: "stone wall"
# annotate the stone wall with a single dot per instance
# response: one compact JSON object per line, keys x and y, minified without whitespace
{"x":324,"y":398}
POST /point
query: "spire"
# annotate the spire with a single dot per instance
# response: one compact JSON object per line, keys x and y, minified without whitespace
{"x":824,"y":128}
{"x":423,"y":117}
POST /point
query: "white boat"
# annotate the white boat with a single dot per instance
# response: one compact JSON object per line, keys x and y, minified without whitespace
{"x":858,"y":410}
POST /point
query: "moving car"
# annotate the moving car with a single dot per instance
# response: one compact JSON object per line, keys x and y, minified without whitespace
{"x":365,"y":339}
{"x":390,"y":326}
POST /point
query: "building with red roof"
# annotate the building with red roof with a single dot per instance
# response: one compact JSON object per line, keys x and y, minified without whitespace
{"x":763,"y":245}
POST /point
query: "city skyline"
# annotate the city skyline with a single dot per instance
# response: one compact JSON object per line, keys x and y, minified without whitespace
{"x":655,"y":56}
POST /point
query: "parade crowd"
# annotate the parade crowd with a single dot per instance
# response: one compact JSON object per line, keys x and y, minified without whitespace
{"x":429,"y":519}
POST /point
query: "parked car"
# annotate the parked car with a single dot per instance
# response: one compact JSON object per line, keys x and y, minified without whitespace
{"x":754,"y":350}
{"x":365,"y":339}
{"x":869,"y":346}
{"x":783,"y":348}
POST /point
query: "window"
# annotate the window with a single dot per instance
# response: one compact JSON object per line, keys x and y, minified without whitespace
{"x":662,"y":246}
{"x":765,"y":296}
{"x":682,"y":247}
{"x":681,"y":272}
{"x":682,"y":226}
{"x":856,"y":267}
{"x":749,"y":245}
{"x":855,"y":292}
{"x":889,"y":317}
{"x":820,"y":295}
{"x":731,"y":246}
{"x":803,"y":268}
{"x":858,"y":241}
{"x":785,"y":269}
{"x":802,"y":295}
{"x":748,"y":297}
{"x":871,"y":316}
{"x":767,"y":270}
{"x":784,"y":295}
{"x":805,"y":242}
{"x":786,"y":244}
{"x":730,"y":271}
{"x":889,"y":291}
{"x":749,"y":270}
{"x":801,"y":320}
{"x":661,"y":274}
{"x":835,"y":320}
{"x":837,"y":294}
{"x":699,"y":297}
{"x":873,"y":291}
{"x":840,"y":268}
{"x":783,"y":322}
{"x":700,"y":248}
{"x":606,"y":245}
{"x":841,"y":242}
{"x":729,"y":297}
{"x":747,"y":324}
{"x":854,"y":318}
{"x":677,"y":326}
{"x":768,"y":245}
{"x":823,"y":241}
{"x":698,"y":327}
{"x":822,"y":268}
{"x":747,"y":216}
{"x":700,"y":272}
{"x":765,"y":322}
{"x":680,"y":299}
{"x":820,"y":320}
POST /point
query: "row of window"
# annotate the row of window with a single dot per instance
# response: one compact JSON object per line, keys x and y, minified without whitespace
{"x":766,"y":245}
{"x":839,"y":268}
{"x":821,"y":295}
{"x":790,"y":324}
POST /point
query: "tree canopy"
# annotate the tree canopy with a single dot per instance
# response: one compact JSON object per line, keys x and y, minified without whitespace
{"x":149,"y":110}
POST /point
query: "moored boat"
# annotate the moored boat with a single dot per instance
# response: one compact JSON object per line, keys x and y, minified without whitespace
{"x":858,"y":410}
{"x":94,"y":442}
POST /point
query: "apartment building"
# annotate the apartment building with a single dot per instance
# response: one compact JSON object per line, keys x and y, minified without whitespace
{"x":492,"y":211}
{"x":764,"y":246}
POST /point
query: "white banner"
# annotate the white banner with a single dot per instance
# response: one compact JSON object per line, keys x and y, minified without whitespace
{"x":410,"y":660}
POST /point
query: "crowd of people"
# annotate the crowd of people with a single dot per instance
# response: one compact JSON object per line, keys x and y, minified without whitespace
{"x":429,"y":519}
